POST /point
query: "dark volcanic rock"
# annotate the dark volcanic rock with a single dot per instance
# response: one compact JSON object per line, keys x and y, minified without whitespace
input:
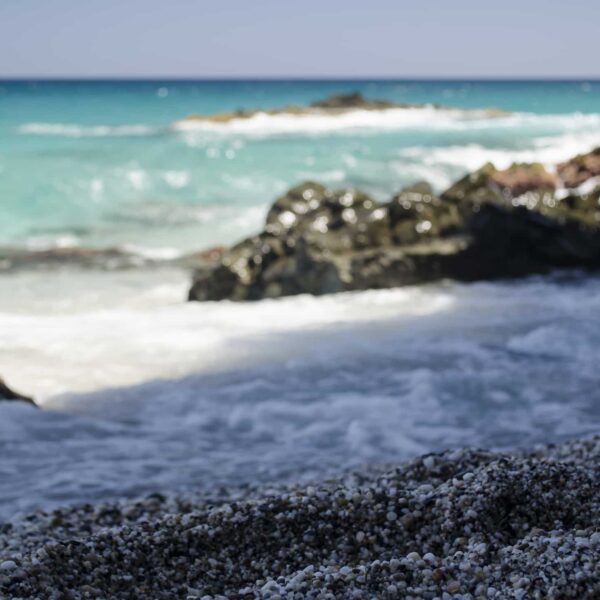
{"x":351,"y":100}
{"x":490,"y":224}
{"x":7,"y":394}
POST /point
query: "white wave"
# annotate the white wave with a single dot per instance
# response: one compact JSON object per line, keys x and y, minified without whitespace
{"x":395,"y":118}
{"x":135,"y":341}
{"x":158,"y":254}
{"x":77,"y":131}
{"x":442,"y":164}
{"x":427,"y":117}
{"x":264,"y":124}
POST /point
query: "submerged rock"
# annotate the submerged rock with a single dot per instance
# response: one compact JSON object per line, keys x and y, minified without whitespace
{"x":490,"y":224}
{"x":7,"y":393}
{"x":13,"y":259}
{"x":102,"y":259}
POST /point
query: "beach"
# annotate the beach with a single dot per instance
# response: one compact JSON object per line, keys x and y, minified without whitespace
{"x":269,"y":361}
{"x":461,"y":524}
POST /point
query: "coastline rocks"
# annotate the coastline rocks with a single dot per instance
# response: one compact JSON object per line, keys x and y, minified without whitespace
{"x":581,"y":168}
{"x":489,"y":224}
{"x":7,"y":394}
{"x":336,"y":104}
{"x":354,"y":100}
{"x":479,"y":524}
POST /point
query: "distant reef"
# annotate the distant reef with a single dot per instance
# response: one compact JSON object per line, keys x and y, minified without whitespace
{"x":490,"y":224}
{"x":337,"y":104}
{"x":103,"y":259}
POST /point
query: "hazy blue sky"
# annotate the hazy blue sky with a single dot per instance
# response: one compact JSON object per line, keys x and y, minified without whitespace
{"x":299,"y":38}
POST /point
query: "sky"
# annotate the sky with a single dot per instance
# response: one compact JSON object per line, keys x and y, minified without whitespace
{"x":299,"y":38}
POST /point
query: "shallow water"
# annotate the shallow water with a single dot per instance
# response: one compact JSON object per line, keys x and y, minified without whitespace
{"x":205,"y":394}
{"x":100,"y":163}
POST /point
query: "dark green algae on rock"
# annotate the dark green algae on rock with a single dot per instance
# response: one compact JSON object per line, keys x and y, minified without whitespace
{"x":490,"y":224}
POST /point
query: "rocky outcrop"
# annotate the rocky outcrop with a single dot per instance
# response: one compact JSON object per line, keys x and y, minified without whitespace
{"x":7,"y":394}
{"x":490,"y":224}
{"x":354,"y":100}
{"x":335,"y":104}
{"x":581,"y":168}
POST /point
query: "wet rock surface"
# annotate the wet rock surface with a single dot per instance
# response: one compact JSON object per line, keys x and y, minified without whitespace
{"x":457,"y":524}
{"x":490,"y":224}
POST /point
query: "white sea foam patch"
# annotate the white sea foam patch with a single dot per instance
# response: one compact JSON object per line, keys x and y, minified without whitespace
{"x":442,"y":165}
{"x":394,"y":118}
{"x":120,"y":334}
{"x":285,"y":389}
{"x":77,"y":131}
{"x":177,"y":179}
{"x":427,"y":117}
{"x":157,"y":254}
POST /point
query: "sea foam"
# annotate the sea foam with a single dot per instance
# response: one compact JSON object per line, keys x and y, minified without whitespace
{"x":225,"y":393}
{"x":282,"y":123}
{"x":77,"y":131}
{"x":264,"y":124}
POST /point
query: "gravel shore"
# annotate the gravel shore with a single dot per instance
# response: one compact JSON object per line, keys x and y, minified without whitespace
{"x":460,"y":524}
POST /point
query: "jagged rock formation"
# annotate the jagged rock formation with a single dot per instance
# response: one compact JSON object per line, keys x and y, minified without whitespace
{"x":490,"y":224}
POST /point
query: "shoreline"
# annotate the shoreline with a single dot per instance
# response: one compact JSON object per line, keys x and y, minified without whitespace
{"x":370,"y":427}
{"x":464,"y":521}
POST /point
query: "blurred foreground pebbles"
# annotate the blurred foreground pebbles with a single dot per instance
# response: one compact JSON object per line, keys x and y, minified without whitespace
{"x":454,"y":525}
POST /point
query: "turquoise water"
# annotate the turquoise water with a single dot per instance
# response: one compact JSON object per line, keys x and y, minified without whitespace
{"x":99,"y":163}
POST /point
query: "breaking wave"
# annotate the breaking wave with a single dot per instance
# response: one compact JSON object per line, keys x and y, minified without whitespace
{"x":264,"y":124}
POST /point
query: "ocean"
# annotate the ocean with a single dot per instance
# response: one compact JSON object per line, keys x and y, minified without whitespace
{"x":143,"y":392}
{"x":99,"y":163}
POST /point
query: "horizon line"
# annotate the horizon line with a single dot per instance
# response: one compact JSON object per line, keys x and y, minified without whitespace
{"x":300,"y":78}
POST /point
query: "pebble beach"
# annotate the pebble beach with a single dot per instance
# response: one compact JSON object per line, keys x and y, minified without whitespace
{"x":461,"y":524}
